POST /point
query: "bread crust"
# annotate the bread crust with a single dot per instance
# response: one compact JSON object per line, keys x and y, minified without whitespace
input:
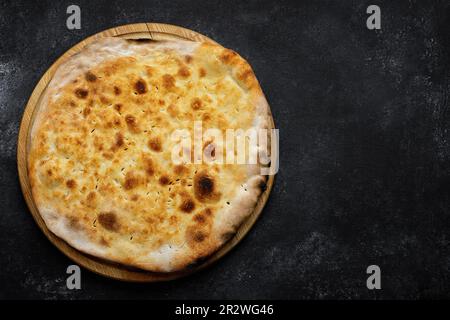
{"x":97,"y":197}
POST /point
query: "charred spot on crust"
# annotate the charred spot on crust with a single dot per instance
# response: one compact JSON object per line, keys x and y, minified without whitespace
{"x":108,"y":220}
{"x":90,"y":77}
{"x":108,"y":155}
{"x":202,"y":72}
{"x":149,"y":70}
{"x":105,"y":100}
{"x":196,"y":103}
{"x":131,"y":123}
{"x":140,"y":86}
{"x":184,"y":72}
{"x":148,"y":166}
{"x":199,"y":218}
{"x":206,"y":117}
{"x":173,"y":220}
{"x":179,"y":169}
{"x":227,"y":55}
{"x":118,"y":107}
{"x":104,"y":242}
{"x":130,"y":181}
{"x":155,"y":144}
{"x":164,"y":180}
{"x":90,"y":199}
{"x":71,"y":184}
{"x":134,"y":197}
{"x":86,"y":111}
{"x":245,"y":75}
{"x":117,"y":90}
{"x":206,"y":185}
{"x":195,"y":235}
{"x":119,"y":140}
{"x":188,"y":59}
{"x":203,"y":186}
{"x":81,"y":93}
{"x":199,"y":236}
{"x":91,"y":196}
{"x":168,"y":81}
{"x":116,"y":122}
{"x":187,"y":205}
{"x":172,"y":110}
{"x":74,"y":223}
{"x":130,"y":120}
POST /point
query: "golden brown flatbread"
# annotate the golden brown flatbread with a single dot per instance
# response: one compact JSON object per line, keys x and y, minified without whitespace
{"x":101,"y":165}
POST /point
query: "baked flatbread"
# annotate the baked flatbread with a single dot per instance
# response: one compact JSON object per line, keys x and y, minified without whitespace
{"x":100,"y":161}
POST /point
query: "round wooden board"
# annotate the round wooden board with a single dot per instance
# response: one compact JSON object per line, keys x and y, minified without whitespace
{"x":153,"y":31}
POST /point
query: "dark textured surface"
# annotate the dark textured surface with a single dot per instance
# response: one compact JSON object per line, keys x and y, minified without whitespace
{"x":365,"y":148}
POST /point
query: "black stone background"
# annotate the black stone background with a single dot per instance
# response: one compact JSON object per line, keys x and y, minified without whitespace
{"x":365,"y":148}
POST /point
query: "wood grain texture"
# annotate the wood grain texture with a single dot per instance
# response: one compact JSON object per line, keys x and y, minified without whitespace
{"x":154,"y":31}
